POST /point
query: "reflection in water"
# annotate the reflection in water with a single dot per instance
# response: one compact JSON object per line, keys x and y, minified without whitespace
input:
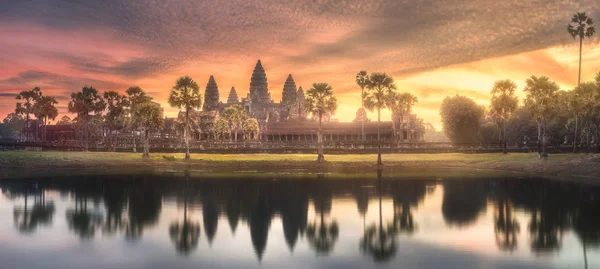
{"x":526,"y":214}
{"x":185,"y":235}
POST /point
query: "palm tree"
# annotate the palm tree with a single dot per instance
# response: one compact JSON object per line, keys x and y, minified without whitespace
{"x":380,"y":87}
{"x":320,"y":101}
{"x":45,"y":109}
{"x":147,"y":116}
{"x":136,"y":96}
{"x":540,"y":99}
{"x":83,"y":103}
{"x":186,"y":94}
{"x":115,"y":116}
{"x":361,"y":79}
{"x":583,"y":27}
{"x":29,"y":98}
{"x":503,"y":104}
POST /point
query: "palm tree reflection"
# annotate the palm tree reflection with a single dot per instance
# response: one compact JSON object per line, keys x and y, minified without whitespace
{"x":28,"y":219}
{"x":322,"y":235}
{"x":379,"y":241}
{"x":506,"y":227}
{"x":185,"y":235}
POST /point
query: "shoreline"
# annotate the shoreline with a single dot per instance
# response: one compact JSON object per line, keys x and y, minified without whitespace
{"x":16,"y":164}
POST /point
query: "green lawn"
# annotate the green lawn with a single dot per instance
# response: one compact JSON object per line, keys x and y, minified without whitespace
{"x":14,"y":162}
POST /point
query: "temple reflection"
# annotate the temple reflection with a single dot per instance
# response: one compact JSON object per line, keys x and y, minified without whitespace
{"x":126,"y":206}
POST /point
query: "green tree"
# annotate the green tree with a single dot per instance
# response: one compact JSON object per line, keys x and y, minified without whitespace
{"x":401,"y":106}
{"x":83,"y":103}
{"x":147,"y":115}
{"x":186,"y":95}
{"x":250,"y":128}
{"x":362,"y":77}
{"x":583,"y":105}
{"x":12,"y":124}
{"x":136,"y":96}
{"x":461,"y":119}
{"x":540,"y":99}
{"x":45,"y":109}
{"x":235,"y":115}
{"x":116,"y":115}
{"x":380,"y":88}
{"x":503,"y":104}
{"x":583,"y":27}
{"x":320,"y":101}
{"x":221,"y":128}
{"x":25,"y":107}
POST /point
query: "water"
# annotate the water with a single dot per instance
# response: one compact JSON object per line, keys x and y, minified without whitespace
{"x":306,"y":221}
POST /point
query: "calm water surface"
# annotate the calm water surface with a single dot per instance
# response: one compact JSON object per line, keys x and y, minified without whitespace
{"x":310,"y":221}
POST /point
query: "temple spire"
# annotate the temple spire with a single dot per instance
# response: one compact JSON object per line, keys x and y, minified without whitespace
{"x":288,"y":96}
{"x":233,"y":97}
{"x":211,"y":95}
{"x":259,"y":88}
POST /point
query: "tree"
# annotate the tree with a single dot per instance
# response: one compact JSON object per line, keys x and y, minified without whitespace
{"x":136,"y":96}
{"x":235,"y":115}
{"x":583,"y":105}
{"x":250,"y":128}
{"x":320,"y":101}
{"x":361,"y":79}
{"x":380,"y":87}
{"x":83,"y":103}
{"x":401,"y":106}
{"x":540,"y":99}
{"x":116,"y":116}
{"x":12,"y":124}
{"x":186,"y":94}
{"x":147,"y":115}
{"x":583,"y":27}
{"x":221,"y":128}
{"x":26,"y":107}
{"x":45,"y":109}
{"x":65,"y":120}
{"x":461,"y":119}
{"x":503,"y":104}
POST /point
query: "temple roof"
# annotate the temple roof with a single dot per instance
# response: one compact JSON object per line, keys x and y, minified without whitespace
{"x":312,"y":127}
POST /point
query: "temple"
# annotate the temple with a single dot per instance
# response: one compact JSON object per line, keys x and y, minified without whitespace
{"x":286,"y":121}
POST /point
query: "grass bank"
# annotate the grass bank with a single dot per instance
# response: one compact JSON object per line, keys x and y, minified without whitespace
{"x":24,"y":163}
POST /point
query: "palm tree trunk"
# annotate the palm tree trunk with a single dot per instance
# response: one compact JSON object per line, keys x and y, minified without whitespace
{"x":87,"y":133}
{"x":597,"y":137}
{"x":539,"y":138}
{"x":576,"y":131}
{"x":146,"y":154}
{"x":378,"y":137}
{"x":504,"y":145}
{"x":362,"y":105}
{"x":320,"y":156}
{"x":185,"y":133}
{"x":580,"y":48}
{"x":544,"y":153}
{"x":133,"y":135}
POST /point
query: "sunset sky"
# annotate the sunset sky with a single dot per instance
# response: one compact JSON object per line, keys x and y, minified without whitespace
{"x":432,"y":48}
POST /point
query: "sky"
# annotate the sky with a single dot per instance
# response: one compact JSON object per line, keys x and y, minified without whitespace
{"x":432,"y":48}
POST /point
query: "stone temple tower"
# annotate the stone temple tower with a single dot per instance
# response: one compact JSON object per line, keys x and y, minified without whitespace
{"x":288,"y":96}
{"x":300,"y":102}
{"x":259,"y":88}
{"x":211,"y":95}
{"x":233,"y":97}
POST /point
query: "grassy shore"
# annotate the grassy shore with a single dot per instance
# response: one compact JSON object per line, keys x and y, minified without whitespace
{"x":22,"y":163}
